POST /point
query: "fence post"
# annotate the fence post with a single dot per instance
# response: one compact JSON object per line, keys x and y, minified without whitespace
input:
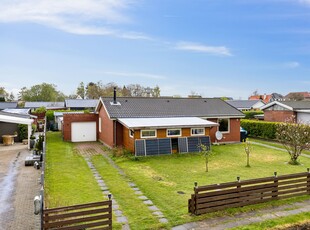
{"x":276,"y":184}
{"x":110,"y":210}
{"x":194,"y":199}
{"x":308,"y":181}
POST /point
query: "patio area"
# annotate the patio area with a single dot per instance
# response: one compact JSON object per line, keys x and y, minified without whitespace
{"x":18,"y":187}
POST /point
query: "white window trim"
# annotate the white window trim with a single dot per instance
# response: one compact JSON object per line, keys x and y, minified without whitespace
{"x":131,"y":136}
{"x":174,"y":135}
{"x":203,"y":134}
{"x":141,"y":131}
{"x":218,"y":128}
{"x":99,"y":123}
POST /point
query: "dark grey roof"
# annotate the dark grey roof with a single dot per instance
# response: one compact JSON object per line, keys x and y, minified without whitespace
{"x":47,"y":105}
{"x":15,"y":114}
{"x":8,"y":105}
{"x":81,"y":103}
{"x":296,"y":105}
{"x":246,"y":104}
{"x":169,"y":107}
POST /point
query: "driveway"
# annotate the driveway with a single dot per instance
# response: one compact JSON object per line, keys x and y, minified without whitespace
{"x":18,"y":186}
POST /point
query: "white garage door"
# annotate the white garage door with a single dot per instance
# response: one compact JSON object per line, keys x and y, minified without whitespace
{"x":83,"y":131}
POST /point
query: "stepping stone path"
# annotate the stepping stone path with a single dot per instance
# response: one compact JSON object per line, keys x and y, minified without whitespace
{"x":120,"y":218}
{"x":154,"y":209}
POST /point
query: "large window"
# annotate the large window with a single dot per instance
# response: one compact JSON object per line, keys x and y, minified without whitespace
{"x":174,"y":132}
{"x":198,"y":131}
{"x":148,"y":133}
{"x":224,"y":125}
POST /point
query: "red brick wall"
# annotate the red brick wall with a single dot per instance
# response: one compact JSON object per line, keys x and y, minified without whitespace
{"x":69,"y":118}
{"x":234,"y":132}
{"x":278,"y":116}
{"x":107,"y":128}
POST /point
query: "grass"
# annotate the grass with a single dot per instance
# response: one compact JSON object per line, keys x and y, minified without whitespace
{"x":161,"y":178}
{"x":278,"y":223}
{"x":274,"y":144}
{"x":68,"y":179}
{"x":139,"y":216}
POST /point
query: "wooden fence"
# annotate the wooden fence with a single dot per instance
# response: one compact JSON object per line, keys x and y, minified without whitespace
{"x":217,"y":197}
{"x":85,"y":216}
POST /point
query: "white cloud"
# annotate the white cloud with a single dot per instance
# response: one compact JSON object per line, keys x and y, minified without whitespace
{"x":196,"y":47}
{"x":292,"y":65}
{"x":138,"y":75}
{"x":84,"y":17}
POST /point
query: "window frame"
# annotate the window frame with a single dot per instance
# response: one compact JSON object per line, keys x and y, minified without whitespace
{"x":228,"y":125}
{"x":179,"y":135}
{"x":130,"y":133}
{"x":99,"y":124}
{"x":148,"y":130}
{"x":199,"y":134}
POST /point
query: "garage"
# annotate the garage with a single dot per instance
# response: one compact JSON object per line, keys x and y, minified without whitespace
{"x":83,"y":131}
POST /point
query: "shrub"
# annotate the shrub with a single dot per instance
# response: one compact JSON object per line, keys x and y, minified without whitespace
{"x":251,"y":114}
{"x":22,"y":131}
{"x":40,"y":110}
{"x":260,"y":129}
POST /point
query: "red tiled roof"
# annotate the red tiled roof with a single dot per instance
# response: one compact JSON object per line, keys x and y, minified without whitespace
{"x":265,"y":98}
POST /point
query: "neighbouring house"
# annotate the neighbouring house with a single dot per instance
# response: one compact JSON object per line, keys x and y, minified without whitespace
{"x":9,"y":124}
{"x":297,"y":96}
{"x":33,"y":105}
{"x":8,"y":105}
{"x":281,"y":111}
{"x":81,"y":104}
{"x":266,"y":98}
{"x":246,"y":105}
{"x":155,"y":125}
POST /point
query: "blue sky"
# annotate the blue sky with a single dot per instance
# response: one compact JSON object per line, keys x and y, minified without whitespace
{"x":211,"y":47}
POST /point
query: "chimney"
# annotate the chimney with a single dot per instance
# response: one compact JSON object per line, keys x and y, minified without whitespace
{"x":114,"y":96}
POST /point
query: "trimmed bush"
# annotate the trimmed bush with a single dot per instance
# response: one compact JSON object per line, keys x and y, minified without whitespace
{"x":260,"y":129}
{"x":22,"y":131}
{"x":251,"y":114}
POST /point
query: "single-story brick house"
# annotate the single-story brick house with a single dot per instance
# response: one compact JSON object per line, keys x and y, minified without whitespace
{"x":281,"y":111}
{"x":165,"y":125}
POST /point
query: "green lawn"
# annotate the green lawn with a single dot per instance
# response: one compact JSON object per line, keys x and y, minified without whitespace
{"x":162,"y":179}
{"x":287,"y":221}
{"x":68,"y":179}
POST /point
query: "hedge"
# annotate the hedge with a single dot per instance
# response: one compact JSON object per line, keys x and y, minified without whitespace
{"x":251,"y":114}
{"x":262,"y":129}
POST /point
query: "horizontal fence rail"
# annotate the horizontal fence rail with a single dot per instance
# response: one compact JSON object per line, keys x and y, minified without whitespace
{"x":217,"y":197}
{"x":86,"y":216}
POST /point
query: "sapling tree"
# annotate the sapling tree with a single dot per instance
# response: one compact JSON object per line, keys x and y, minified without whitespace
{"x":294,"y":136}
{"x":248,"y":150}
{"x":206,"y":153}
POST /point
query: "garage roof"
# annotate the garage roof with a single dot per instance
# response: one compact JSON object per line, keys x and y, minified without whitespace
{"x":15,"y":119}
{"x":176,"y":122}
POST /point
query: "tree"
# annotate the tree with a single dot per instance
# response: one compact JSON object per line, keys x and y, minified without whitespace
{"x":92,"y":91}
{"x":3,"y":94}
{"x":156,"y":91}
{"x":206,"y":153}
{"x":42,"y":92}
{"x":294,"y":136}
{"x":136,"y":90}
{"x":248,"y":150}
{"x":125,"y":92}
{"x":80,"y":91}
{"x":296,"y":97}
{"x":11,"y":97}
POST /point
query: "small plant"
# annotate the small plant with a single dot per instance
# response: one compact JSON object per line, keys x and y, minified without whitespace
{"x":248,"y":150}
{"x":206,"y":153}
{"x":22,"y":131}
